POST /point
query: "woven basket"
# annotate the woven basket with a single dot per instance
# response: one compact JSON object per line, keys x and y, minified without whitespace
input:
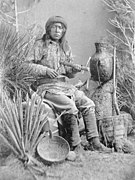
{"x":53,"y":149}
{"x":101,"y":63}
{"x":113,"y":128}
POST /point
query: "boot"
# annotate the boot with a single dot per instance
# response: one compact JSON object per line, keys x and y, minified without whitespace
{"x":70,"y":124}
{"x":96,"y":145}
{"x":90,"y":123}
{"x":92,"y":131}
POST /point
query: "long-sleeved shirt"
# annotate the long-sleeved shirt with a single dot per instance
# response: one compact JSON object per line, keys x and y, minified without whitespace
{"x":50,"y":56}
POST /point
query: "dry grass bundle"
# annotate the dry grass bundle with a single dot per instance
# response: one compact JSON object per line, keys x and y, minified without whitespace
{"x":14,"y":50}
{"x":21,"y":127}
{"x":126,"y":84}
{"x":122,"y":36}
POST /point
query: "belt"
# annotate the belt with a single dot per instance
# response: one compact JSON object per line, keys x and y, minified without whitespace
{"x":49,"y":80}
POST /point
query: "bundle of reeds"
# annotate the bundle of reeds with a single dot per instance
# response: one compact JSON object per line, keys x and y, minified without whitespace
{"x":14,"y":50}
{"x":122,"y":36}
{"x":21,"y":125}
{"x":126,"y":86}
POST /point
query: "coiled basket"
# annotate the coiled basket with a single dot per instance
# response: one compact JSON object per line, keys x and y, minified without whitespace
{"x":53,"y":149}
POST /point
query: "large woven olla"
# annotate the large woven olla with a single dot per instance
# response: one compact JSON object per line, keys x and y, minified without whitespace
{"x":102,"y":97}
{"x":101,"y":63}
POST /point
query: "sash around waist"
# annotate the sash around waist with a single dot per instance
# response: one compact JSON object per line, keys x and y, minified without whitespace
{"x":49,"y":80}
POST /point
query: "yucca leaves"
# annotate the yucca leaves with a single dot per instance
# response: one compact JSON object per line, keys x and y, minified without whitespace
{"x":23,"y":123}
{"x":20,"y":119}
{"x":26,"y":123}
{"x":32,"y":112}
{"x":9,"y":144}
{"x":19,"y":110}
{"x":36,"y":122}
{"x":37,"y":130}
{"x":9,"y":124}
{"x":10,"y":120}
{"x":14,"y":50}
{"x":12,"y":139}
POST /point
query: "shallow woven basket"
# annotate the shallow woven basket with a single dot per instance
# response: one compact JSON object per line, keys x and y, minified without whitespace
{"x":113,"y":127}
{"x":53,"y":149}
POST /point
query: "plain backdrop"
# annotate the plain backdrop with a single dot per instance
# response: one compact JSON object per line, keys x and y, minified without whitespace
{"x":87,"y":23}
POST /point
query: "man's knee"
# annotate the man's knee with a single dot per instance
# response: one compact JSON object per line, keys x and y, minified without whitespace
{"x":83,"y":100}
{"x":91,"y":104}
{"x":72,"y":108}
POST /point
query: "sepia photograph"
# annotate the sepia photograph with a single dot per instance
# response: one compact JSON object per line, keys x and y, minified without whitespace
{"x":67,"y":90}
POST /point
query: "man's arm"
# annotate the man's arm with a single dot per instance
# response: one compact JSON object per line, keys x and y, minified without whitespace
{"x":34,"y":69}
{"x":32,"y":65}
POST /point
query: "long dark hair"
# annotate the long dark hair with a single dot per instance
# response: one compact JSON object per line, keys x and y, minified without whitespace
{"x":63,"y":42}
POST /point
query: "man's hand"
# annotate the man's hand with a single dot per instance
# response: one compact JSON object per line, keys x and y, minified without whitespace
{"x":77,"y":68}
{"x":51,"y":73}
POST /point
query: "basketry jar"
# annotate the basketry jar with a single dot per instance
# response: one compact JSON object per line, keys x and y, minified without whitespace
{"x":113,"y":128}
{"x":101,"y":63}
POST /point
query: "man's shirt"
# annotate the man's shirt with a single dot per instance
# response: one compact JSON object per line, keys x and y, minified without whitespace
{"x":51,"y":56}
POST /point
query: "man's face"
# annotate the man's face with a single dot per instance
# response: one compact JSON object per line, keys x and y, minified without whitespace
{"x":56,"y":31}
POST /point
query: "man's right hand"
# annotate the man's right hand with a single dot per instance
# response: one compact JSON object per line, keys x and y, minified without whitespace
{"x":51,"y":73}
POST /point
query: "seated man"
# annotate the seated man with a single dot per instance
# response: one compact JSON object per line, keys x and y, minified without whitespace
{"x":47,"y":64}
